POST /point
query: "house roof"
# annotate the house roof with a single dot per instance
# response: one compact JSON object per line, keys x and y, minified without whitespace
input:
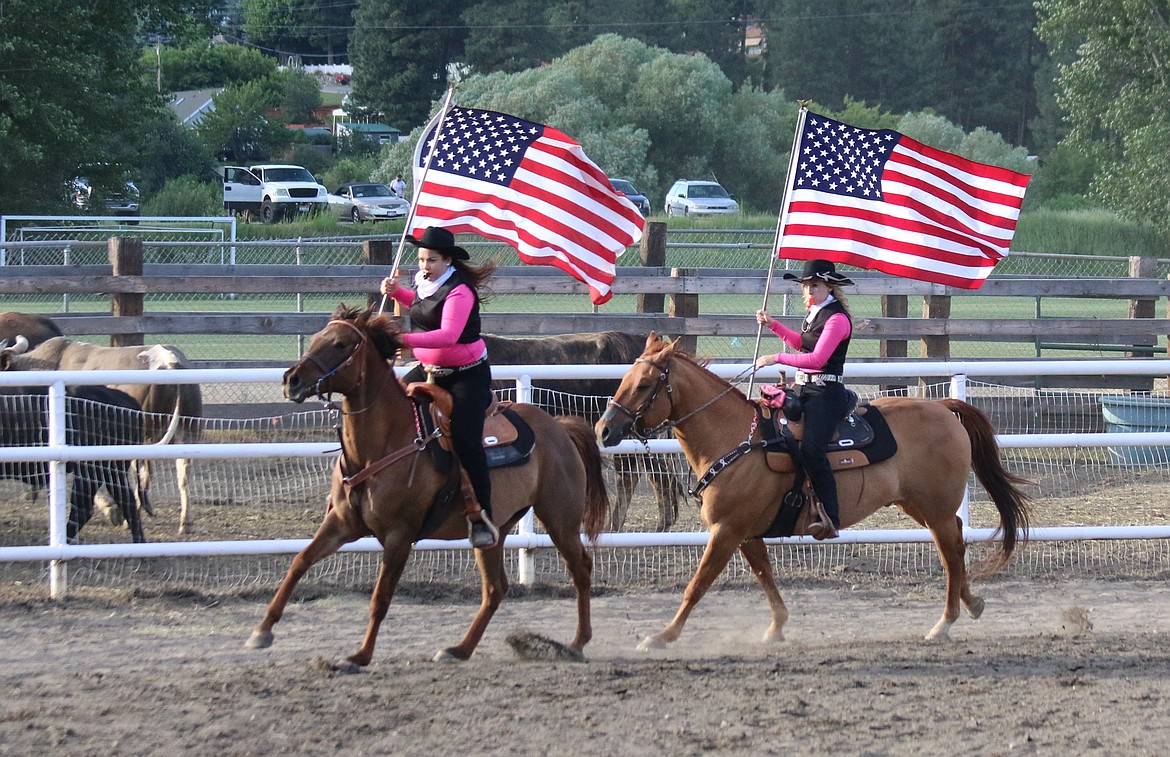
{"x":190,"y":105}
{"x":368,"y":128}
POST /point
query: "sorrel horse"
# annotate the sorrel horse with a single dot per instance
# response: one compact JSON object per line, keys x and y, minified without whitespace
{"x":939,"y":442}
{"x":561,"y":481}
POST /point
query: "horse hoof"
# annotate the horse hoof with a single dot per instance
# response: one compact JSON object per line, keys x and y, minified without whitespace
{"x":975,"y":607}
{"x":259,"y":640}
{"x":444,"y":655}
{"x":348,"y":667}
{"x":773,"y":637}
{"x":938,"y":635}
{"x":651,"y":642}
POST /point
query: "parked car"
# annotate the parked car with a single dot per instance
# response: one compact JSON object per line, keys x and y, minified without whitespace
{"x":689,"y":197}
{"x":626,"y":187}
{"x":367,"y":201}
{"x":120,"y":201}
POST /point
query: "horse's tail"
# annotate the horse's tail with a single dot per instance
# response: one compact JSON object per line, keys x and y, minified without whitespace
{"x":1001,"y":484}
{"x":596,"y":496}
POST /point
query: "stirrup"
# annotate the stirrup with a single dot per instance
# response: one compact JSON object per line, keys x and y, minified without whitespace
{"x":482,"y":534}
{"x":822,"y":528}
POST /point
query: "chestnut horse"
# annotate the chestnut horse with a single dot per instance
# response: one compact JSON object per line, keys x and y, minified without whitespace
{"x":561,"y":481}
{"x":939,"y":442}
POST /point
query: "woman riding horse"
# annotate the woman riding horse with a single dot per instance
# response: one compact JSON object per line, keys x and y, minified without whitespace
{"x":822,"y":343}
{"x":444,"y":313}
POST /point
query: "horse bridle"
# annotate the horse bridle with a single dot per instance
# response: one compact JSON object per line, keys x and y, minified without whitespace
{"x":345,"y":361}
{"x":636,"y":415}
{"x":663,"y":382}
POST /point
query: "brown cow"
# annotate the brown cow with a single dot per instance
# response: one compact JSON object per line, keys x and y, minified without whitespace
{"x":34,"y":328}
{"x":587,"y":398}
{"x":159,"y":400}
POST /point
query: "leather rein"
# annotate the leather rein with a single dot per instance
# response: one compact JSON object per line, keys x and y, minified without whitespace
{"x":420,"y":441}
{"x":719,"y":465}
{"x":663,"y":382}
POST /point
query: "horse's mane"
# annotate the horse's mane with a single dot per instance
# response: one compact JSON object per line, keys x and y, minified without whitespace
{"x":383,"y":331}
{"x":696,"y":361}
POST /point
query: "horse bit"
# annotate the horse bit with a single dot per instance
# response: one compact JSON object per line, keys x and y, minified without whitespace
{"x":663,"y":381}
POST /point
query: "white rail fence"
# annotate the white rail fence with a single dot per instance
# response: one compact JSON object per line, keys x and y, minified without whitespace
{"x":58,"y":552}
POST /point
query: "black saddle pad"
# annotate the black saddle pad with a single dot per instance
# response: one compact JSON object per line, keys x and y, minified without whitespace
{"x":517,"y":452}
{"x":868,"y":431}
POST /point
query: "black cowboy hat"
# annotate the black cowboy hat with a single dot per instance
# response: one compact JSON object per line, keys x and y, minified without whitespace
{"x":440,"y":240}
{"x":822,"y":270}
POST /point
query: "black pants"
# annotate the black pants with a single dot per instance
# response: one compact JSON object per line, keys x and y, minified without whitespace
{"x":471,"y":391}
{"x":824,"y":407}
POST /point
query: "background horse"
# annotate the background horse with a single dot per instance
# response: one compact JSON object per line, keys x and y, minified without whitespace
{"x":562,"y":482}
{"x":586,"y":398}
{"x":939,"y":441}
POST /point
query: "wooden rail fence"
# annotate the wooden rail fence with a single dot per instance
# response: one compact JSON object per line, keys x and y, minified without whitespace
{"x":668,"y":300}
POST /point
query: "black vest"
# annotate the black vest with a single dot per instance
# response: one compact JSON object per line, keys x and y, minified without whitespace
{"x":811,"y":332}
{"x":426,"y":313}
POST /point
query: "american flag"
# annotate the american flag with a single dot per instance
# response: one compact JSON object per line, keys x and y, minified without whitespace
{"x":874,"y":198}
{"x":530,"y":186}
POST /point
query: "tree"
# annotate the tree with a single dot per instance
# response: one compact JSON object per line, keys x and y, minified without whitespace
{"x":300,"y":26}
{"x":973,"y":66}
{"x":1115,"y":89}
{"x":170,"y":151}
{"x":647,"y":114}
{"x":299,"y":95}
{"x":207,"y":64}
{"x":239,"y":129}
{"x":70,"y":90}
{"x":501,"y":37}
{"x":401,"y":52}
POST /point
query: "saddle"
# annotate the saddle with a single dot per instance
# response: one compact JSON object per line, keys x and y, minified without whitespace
{"x":862,"y":437}
{"x":507,"y":438}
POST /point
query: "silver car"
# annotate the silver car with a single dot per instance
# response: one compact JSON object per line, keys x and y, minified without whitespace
{"x":689,"y":197}
{"x":368,"y":201}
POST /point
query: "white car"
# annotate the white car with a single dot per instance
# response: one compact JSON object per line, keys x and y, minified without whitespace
{"x":366,"y":201}
{"x":699,"y":198}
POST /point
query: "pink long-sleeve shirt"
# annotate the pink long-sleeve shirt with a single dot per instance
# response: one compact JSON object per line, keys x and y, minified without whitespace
{"x":439,"y":347}
{"x":837,"y":328}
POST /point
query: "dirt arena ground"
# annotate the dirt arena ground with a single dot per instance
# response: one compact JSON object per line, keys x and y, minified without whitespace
{"x":1050,"y":668}
{"x":1061,"y":661}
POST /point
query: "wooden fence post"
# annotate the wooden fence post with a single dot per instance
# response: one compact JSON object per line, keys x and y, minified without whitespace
{"x":1142,"y":268}
{"x":936,"y":306}
{"x":684,"y":306}
{"x":652,"y":254}
{"x":125,"y":255}
{"x":1139,"y":307}
{"x":378,"y":252}
{"x":894,"y":306}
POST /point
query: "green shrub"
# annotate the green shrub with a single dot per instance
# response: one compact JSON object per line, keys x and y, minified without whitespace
{"x":1086,"y":232}
{"x":186,"y":196}
{"x":346,"y":170}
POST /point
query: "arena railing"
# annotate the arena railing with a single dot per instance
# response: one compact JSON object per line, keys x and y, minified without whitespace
{"x":57,"y":453}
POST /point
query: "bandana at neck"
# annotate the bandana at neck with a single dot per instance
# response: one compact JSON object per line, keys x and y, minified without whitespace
{"x":814,"y":309}
{"x":426,"y":288}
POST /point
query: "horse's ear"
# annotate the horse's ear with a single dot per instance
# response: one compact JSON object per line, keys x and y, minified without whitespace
{"x":651,"y":339}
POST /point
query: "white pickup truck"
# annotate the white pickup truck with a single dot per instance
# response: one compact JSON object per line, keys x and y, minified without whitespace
{"x":272,"y":191}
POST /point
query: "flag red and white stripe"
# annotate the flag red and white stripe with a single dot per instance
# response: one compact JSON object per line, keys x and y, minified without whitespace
{"x":528,"y":185}
{"x":874,"y":198}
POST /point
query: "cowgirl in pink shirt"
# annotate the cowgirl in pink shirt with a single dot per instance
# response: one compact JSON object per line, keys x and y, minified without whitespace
{"x":445,"y":337}
{"x":822,"y":342}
